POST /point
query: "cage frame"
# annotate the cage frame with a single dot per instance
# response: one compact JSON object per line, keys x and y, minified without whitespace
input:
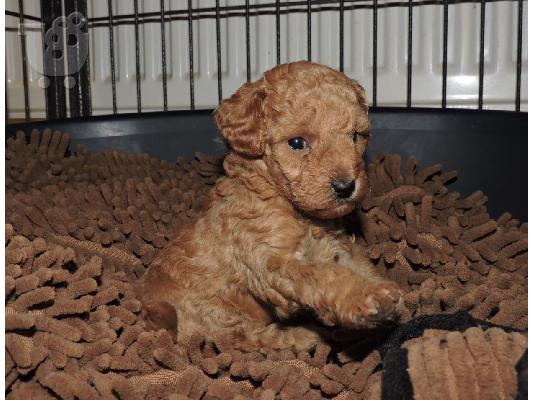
{"x":80,"y":95}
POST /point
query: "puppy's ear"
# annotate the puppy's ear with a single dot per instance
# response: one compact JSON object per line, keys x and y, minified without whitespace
{"x":242,"y":121}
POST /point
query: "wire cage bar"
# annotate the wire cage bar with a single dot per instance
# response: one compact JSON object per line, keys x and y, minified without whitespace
{"x":481,"y":54}
{"x":341,"y":34}
{"x":309,"y":29}
{"x":375,"y":53}
{"x":410,"y":48}
{"x":519,"y":54}
{"x":79,"y":89}
{"x":445,"y":53}
{"x":137,"y":61}
{"x":278,"y":31}
{"x":24,"y":64}
{"x":79,"y":96}
{"x":247,"y":35}
{"x":218,"y":34}
{"x":163,"y":56}
{"x":55,"y":96}
{"x":191,"y":70}
{"x":112,"y":57}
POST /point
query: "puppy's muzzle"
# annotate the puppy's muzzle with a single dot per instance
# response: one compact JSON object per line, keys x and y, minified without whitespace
{"x":343,"y":189}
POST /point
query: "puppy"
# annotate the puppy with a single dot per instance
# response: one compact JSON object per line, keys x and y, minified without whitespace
{"x":270,"y":242}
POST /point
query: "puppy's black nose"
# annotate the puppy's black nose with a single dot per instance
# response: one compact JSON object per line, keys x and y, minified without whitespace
{"x":343,"y":189}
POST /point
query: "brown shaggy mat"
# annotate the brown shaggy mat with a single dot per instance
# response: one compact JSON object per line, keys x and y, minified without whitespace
{"x":81,"y":227}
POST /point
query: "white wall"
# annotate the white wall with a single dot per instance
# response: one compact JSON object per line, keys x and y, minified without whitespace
{"x":463,"y":55}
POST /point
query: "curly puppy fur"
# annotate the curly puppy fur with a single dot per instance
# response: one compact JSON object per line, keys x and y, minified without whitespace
{"x":271,"y":240}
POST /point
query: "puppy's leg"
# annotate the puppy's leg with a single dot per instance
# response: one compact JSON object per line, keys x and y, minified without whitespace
{"x":293,"y":337}
{"x":275,"y":336}
{"x":338,"y":295}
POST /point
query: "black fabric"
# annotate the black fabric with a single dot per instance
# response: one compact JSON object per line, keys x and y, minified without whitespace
{"x":396,"y":384}
{"x":522,"y":377}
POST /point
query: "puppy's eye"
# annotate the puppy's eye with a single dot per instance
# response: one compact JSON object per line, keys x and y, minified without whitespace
{"x":358,"y":135}
{"x":298,"y":143}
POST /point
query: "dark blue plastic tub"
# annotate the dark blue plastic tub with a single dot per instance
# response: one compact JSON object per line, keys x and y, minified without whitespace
{"x":487,"y":148}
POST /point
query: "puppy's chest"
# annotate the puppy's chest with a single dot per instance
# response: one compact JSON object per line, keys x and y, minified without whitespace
{"x":319,"y":246}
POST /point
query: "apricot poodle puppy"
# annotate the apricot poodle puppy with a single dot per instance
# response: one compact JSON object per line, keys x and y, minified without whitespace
{"x":271,"y":241}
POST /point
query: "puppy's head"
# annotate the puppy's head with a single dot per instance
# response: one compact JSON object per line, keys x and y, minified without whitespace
{"x":303,"y":126}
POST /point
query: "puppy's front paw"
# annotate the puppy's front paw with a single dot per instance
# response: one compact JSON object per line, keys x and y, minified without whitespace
{"x":381,"y":302}
{"x":368,"y":306}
